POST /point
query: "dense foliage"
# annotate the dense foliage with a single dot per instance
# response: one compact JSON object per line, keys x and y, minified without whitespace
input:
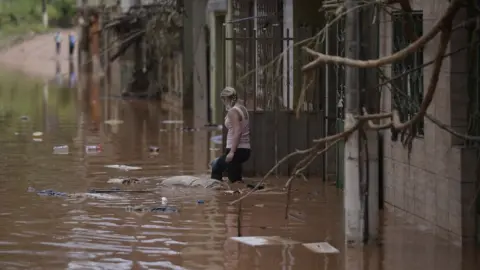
{"x":17,"y":16}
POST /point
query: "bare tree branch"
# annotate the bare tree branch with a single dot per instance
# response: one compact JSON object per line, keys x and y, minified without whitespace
{"x":366,"y":120}
{"x":419,"y":43}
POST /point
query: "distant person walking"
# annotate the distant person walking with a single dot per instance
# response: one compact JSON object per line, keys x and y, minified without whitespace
{"x":58,"y":42}
{"x":238,"y":138}
{"x":71,"y":42}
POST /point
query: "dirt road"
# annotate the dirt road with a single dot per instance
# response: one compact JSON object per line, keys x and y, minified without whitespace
{"x":37,"y":56}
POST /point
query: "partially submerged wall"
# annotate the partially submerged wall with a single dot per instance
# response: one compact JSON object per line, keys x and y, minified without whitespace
{"x":434,"y":185}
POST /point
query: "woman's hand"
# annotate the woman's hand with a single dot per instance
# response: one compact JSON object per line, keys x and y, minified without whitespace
{"x":229,"y":157}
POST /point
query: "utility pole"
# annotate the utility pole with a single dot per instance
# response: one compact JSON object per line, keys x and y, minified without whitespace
{"x":229,"y":46}
{"x":354,"y":216}
{"x":370,"y":31}
{"x":44,"y":13}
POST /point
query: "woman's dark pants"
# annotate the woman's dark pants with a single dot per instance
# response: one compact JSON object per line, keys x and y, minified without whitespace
{"x":233,"y":168}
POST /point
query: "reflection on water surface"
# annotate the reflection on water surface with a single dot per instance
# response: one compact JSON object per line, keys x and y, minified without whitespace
{"x":55,"y":233}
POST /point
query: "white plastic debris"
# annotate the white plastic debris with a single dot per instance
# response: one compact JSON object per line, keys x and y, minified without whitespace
{"x":321,"y":247}
{"x":113,"y":122}
{"x":115,"y":180}
{"x":93,"y":149}
{"x":172,"y":122}
{"x":123,"y":167}
{"x":164,"y":200}
{"x":37,"y":134}
{"x":217,"y":139}
{"x":61,"y":150}
{"x":264,"y":240}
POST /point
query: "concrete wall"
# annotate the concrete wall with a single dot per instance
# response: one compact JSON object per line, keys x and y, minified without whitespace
{"x":216,"y":11}
{"x":435,"y":184}
{"x":195,"y":60}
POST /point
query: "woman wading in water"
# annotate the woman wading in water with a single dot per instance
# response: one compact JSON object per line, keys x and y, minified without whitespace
{"x":238,"y":138}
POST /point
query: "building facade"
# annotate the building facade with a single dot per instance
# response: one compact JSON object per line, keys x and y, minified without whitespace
{"x":434,"y":183}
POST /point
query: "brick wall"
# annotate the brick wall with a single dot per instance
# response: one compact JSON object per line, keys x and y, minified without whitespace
{"x":435,"y":184}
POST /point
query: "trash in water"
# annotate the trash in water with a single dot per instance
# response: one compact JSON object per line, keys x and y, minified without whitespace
{"x":321,"y":247}
{"x":164,"y":200}
{"x":200,"y":201}
{"x":123,"y":167}
{"x":154,"y":149}
{"x":37,"y":139}
{"x":259,"y":205}
{"x":114,"y":122}
{"x":233,"y":192}
{"x":37,"y":134}
{"x":172,"y":122}
{"x":61,"y":150}
{"x":93,"y":148}
{"x":16,"y":133}
{"x":264,"y":241}
{"x":24,"y":118}
{"x":217,"y":139}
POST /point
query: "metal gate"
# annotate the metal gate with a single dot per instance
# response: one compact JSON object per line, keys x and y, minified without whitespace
{"x":335,"y":84}
{"x":264,"y":78}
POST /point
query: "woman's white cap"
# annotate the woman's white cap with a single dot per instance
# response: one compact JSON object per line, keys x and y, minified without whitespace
{"x":228,"y":92}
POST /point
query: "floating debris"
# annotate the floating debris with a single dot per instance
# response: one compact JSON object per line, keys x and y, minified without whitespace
{"x":143,"y":209}
{"x":233,"y":192}
{"x":113,"y":122}
{"x":37,"y":134}
{"x":61,"y":150}
{"x":217,"y":139}
{"x":90,"y":149}
{"x":321,"y":247}
{"x":264,"y":240}
{"x":172,"y":121}
{"x":154,"y":149}
{"x":123,"y":167}
{"x":123,"y":181}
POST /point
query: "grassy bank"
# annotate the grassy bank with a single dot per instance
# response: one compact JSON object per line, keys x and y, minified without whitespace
{"x":18,"y":34}
{"x":22,"y":18}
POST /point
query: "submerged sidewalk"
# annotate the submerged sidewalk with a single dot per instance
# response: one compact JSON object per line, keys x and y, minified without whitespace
{"x":36,"y":56}
{"x":316,"y":215}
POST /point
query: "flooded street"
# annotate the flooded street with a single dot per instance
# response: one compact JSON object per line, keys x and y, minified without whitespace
{"x":56,"y":233}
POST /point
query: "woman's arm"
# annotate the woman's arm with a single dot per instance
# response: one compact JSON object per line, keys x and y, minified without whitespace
{"x":235,"y":120}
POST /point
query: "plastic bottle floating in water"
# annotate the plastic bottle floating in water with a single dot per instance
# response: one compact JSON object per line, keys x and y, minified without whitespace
{"x":93,"y":148}
{"x":61,"y":150}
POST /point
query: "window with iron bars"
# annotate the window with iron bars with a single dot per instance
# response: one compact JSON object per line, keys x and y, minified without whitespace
{"x":407,"y":90}
{"x":474,"y":86}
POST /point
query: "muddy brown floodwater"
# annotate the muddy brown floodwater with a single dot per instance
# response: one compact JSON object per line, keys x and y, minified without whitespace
{"x":54,"y":233}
